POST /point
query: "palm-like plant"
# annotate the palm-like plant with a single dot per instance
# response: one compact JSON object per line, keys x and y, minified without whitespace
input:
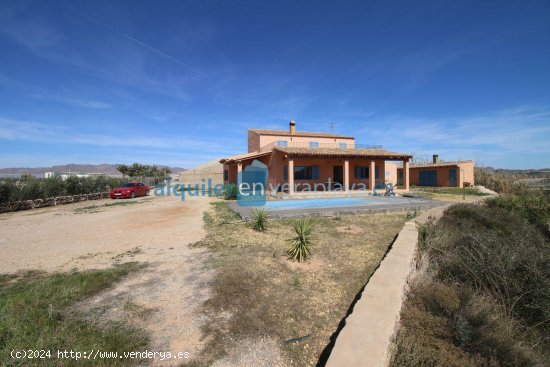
{"x":260,"y":217}
{"x":301,"y":244}
{"x":231,"y":192}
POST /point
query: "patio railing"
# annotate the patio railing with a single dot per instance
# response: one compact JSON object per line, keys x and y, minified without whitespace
{"x":317,"y":145}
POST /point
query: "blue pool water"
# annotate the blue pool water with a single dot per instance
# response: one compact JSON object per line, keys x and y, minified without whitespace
{"x":333,"y":202}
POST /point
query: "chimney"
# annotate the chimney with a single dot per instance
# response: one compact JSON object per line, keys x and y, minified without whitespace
{"x":436,"y":158}
{"x":292,"y":127}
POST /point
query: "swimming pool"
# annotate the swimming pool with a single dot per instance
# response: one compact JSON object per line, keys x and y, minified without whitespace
{"x":333,"y":203}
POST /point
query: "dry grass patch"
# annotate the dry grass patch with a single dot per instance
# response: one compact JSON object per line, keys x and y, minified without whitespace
{"x":484,"y":298}
{"x":37,"y":311}
{"x":259,"y":296}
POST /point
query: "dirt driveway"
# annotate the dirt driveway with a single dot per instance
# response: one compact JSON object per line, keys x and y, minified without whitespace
{"x":90,"y":234}
{"x":163,"y":298}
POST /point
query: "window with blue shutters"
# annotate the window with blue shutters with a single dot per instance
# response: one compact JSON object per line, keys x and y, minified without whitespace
{"x":343,"y":145}
{"x":362,"y":172}
{"x":282,"y":143}
{"x":314,"y":144}
{"x":304,"y":173}
{"x":315,"y":172}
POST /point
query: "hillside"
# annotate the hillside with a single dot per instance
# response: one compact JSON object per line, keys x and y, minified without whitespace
{"x":543,"y":172}
{"x":108,"y":169}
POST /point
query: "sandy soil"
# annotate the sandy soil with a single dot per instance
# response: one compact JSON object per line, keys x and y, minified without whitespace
{"x":163,"y":298}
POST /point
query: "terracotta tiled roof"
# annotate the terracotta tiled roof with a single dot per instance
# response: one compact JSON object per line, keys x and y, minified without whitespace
{"x":307,"y":134}
{"x":336,"y":152}
{"x":440,"y":164}
{"x":240,"y":157}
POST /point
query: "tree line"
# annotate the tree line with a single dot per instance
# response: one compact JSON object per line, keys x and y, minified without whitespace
{"x":144,"y":170}
{"x":31,"y":188}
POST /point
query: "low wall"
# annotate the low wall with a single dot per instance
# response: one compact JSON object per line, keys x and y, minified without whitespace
{"x":60,"y":200}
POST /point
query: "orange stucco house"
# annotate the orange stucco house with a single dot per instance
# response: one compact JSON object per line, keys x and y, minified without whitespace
{"x":439,"y":173}
{"x":298,"y":160}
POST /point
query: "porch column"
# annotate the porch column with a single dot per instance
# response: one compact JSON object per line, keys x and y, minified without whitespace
{"x":291,"y":176}
{"x":346,"y":175}
{"x":372,"y":175}
{"x":239,"y":174}
{"x":406,"y":175}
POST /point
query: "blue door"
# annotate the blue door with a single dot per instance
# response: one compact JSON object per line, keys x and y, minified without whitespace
{"x":428,"y":178}
{"x":452,"y":177}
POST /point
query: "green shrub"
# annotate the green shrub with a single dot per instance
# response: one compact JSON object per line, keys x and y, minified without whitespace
{"x":411,"y":215}
{"x":74,"y":185}
{"x":9,"y":191}
{"x":462,"y":330}
{"x":300,"y":248}
{"x":31,"y":188}
{"x":440,"y":299}
{"x":260,"y":217}
{"x":52,"y":187}
{"x":426,"y":340}
{"x":508,"y":260}
{"x":532,"y":205}
{"x":491,"y":284}
{"x":231,"y":192}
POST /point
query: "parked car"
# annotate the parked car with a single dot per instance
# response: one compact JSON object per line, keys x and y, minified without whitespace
{"x":129,"y":190}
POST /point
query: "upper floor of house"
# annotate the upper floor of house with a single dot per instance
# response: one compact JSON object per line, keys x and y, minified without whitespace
{"x":263,"y":139}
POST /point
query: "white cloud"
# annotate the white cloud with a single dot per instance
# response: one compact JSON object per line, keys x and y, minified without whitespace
{"x":20,"y":130}
{"x":77,"y":102}
{"x":495,"y":138}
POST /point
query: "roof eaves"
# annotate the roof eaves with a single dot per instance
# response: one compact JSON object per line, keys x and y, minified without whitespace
{"x":344,"y":153}
{"x":439,"y":164}
{"x":241,"y":157}
{"x":309,"y":134}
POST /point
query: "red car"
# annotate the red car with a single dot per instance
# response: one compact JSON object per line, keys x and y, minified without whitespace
{"x":129,"y":190}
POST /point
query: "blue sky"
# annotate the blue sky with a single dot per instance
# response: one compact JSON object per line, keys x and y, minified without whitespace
{"x":179,"y":82}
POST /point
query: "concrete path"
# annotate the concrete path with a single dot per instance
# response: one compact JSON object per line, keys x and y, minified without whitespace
{"x":485,"y":190}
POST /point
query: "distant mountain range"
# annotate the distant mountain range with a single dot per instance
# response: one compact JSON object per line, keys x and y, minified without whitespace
{"x":108,"y":169}
{"x":542,"y":172}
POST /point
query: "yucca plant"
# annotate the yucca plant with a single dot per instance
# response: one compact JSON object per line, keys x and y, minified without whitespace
{"x":260,"y":217}
{"x":301,"y":244}
{"x":231,"y":192}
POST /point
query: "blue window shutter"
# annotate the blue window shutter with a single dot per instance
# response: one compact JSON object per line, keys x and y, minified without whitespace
{"x":285,"y":173}
{"x":357,"y":172}
{"x":368,"y":172}
{"x":315,"y":172}
{"x":376,"y":175}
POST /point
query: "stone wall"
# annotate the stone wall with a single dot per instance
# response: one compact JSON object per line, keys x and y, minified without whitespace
{"x":60,"y":200}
